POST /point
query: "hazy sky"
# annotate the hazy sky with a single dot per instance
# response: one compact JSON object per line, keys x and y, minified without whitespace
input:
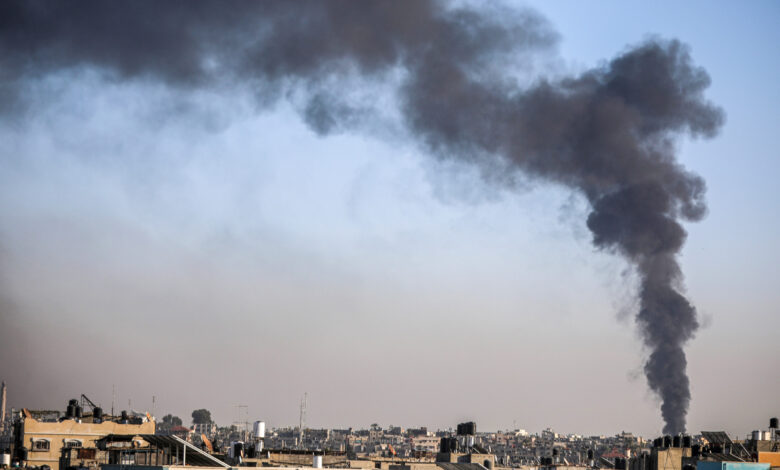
{"x":195,"y":246}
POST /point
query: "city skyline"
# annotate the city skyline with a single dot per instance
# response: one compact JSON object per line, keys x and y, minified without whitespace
{"x":202,"y":246}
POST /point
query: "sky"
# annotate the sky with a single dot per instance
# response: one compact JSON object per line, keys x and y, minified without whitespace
{"x":206,"y":248}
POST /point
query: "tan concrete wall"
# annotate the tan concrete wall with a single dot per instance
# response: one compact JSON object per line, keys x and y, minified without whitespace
{"x":669,"y":459}
{"x":454,"y":457}
{"x":57,"y":433}
{"x":364,"y":464}
{"x":302,"y":460}
{"x":451,"y":457}
{"x":414,"y":466}
{"x":480,"y":458}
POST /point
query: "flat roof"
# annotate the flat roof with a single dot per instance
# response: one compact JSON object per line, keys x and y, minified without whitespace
{"x":194,"y":456}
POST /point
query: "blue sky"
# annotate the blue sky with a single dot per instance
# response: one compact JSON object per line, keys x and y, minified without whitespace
{"x":236,"y":244}
{"x":731,"y":257}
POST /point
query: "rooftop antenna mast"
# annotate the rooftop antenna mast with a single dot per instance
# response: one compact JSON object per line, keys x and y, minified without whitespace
{"x":302,"y":420}
{"x":246,"y":419}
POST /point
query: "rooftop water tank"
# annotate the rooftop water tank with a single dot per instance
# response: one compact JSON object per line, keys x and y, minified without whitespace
{"x":97,"y":414}
{"x":259,"y":429}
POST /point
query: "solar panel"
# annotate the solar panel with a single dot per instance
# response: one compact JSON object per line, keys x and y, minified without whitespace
{"x":195,"y":456}
{"x":716,"y":437}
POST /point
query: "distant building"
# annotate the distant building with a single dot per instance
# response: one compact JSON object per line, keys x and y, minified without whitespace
{"x":181,"y":432}
{"x":209,"y":429}
{"x":426,"y":443}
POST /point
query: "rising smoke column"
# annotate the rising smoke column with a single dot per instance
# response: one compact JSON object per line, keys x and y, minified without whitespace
{"x":608,"y":134}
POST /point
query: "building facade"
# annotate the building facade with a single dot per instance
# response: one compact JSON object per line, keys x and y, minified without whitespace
{"x":41,"y":442}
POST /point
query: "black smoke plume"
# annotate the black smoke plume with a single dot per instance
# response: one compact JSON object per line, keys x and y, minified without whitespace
{"x":608,"y":133}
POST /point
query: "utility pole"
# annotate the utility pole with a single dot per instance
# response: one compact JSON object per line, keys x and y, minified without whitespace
{"x":302,"y":420}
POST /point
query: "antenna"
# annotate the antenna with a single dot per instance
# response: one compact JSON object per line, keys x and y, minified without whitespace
{"x":113,"y":397}
{"x":246,"y":419}
{"x":302,"y":420}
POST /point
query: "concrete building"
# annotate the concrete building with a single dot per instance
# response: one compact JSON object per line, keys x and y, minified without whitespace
{"x":154,"y":450}
{"x":485,"y":460}
{"x":38,"y":443}
{"x":425,"y":443}
{"x":668,"y":459}
{"x":209,"y":429}
{"x":436,"y":466}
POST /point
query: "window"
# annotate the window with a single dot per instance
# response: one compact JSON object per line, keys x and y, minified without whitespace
{"x":73,"y":443}
{"x":87,"y":454}
{"x":40,"y":445}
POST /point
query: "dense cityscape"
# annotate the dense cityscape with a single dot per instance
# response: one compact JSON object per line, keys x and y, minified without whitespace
{"x":84,"y":436}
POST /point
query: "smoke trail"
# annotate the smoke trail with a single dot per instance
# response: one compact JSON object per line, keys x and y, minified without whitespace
{"x":608,"y":133}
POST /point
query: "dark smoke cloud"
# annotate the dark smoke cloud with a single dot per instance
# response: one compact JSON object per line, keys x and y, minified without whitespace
{"x":608,"y":133}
